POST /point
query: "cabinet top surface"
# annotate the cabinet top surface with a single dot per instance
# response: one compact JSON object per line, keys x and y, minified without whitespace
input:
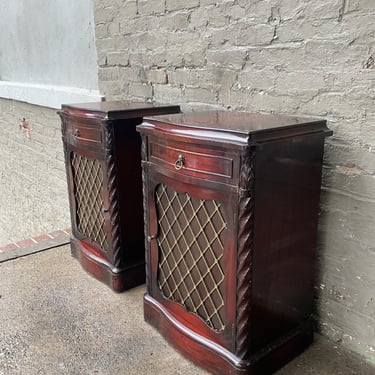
{"x":226,"y":124}
{"x":117,"y":109}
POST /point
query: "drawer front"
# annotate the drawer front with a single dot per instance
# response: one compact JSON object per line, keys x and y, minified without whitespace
{"x":195,"y":161}
{"x":87,"y":134}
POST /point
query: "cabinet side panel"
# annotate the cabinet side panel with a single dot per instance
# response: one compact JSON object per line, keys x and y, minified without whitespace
{"x":129,"y":179}
{"x":287,"y":188}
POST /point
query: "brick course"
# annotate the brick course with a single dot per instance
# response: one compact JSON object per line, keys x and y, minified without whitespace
{"x":37,"y":240}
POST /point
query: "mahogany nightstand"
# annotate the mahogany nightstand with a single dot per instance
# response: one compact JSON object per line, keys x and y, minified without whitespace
{"x":103,"y":165}
{"x":231,"y":205}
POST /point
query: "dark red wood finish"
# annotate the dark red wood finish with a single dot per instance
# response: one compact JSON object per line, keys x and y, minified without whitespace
{"x":264,"y":171}
{"x":104,"y":134}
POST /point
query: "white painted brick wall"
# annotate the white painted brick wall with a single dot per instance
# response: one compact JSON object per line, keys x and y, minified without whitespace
{"x":33,"y":188}
{"x":311,"y":58}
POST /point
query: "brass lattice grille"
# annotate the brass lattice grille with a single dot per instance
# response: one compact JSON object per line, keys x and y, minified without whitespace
{"x":191,"y":249}
{"x":88,"y":183}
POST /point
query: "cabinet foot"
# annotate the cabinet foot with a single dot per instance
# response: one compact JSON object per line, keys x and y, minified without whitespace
{"x":118,"y":279}
{"x":217,"y":359}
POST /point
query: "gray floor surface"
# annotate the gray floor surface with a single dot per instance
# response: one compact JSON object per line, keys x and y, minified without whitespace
{"x":56,"y":319}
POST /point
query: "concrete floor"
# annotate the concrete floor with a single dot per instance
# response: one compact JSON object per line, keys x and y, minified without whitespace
{"x":56,"y":319}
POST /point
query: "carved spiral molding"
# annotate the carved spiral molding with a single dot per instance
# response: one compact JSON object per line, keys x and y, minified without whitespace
{"x":245,"y":247}
{"x":113,"y":199}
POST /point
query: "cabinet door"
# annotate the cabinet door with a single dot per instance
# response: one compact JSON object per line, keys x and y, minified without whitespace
{"x":89,"y":201}
{"x":191,"y":255}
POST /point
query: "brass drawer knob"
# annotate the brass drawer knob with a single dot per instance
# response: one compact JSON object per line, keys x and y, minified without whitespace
{"x":179,"y":162}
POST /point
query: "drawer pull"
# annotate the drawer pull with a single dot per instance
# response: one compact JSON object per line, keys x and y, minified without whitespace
{"x":179,"y":162}
{"x":76,"y":133}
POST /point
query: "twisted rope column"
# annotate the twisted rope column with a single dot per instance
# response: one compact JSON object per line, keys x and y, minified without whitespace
{"x":245,"y":251}
{"x":113,"y":198}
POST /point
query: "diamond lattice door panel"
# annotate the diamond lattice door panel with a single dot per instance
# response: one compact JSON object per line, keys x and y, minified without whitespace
{"x":191,"y":251}
{"x":88,"y":191}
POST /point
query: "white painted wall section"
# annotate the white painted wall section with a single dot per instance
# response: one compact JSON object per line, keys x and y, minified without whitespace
{"x":48,"y":54}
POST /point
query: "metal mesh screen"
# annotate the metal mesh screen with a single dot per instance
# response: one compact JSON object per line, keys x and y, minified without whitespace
{"x":191,"y":250}
{"x":88,"y":184}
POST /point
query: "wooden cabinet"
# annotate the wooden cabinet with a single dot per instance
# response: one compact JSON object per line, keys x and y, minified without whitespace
{"x":102,"y":155}
{"x":231,"y":206}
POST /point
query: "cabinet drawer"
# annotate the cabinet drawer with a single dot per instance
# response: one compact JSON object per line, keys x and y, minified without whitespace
{"x":84,"y":133}
{"x":193,"y":161}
